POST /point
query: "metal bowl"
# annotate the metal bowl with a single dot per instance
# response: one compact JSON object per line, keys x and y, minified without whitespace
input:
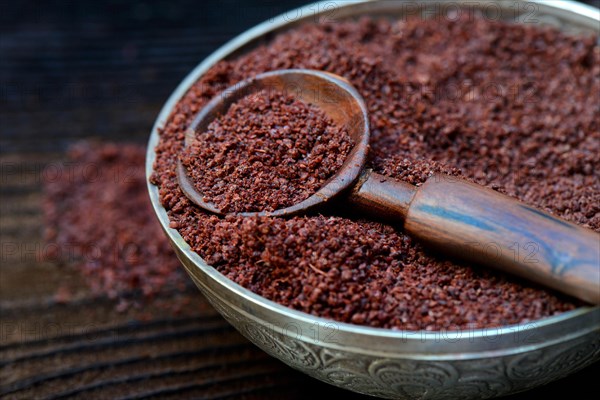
{"x":382,"y":362}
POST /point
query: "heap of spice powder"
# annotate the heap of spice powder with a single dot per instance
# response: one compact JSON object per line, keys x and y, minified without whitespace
{"x":511,"y":107}
{"x":268,"y":151}
{"x":99,"y":220}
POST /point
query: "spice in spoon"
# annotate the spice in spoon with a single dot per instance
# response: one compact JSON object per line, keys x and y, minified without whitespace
{"x":269,"y":151}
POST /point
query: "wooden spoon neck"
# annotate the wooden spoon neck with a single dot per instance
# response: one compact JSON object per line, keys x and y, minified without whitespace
{"x":382,"y":197}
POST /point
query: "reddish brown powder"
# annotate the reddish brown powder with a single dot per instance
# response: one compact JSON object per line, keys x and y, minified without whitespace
{"x":510,"y":107}
{"x":99,"y":219}
{"x":269,"y":151}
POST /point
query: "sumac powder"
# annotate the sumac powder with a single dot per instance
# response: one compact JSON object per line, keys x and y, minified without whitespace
{"x":269,"y":151}
{"x":99,"y":220}
{"x":512,"y":107}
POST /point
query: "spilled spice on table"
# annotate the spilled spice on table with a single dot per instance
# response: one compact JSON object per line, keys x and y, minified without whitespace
{"x":99,"y":220}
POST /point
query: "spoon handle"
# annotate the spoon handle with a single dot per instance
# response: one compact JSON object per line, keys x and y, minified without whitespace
{"x":476,"y":223}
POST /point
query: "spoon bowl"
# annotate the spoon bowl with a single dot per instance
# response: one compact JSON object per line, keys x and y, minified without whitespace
{"x":332,"y":94}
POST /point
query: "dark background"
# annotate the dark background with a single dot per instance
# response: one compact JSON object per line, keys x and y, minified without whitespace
{"x":71,"y":70}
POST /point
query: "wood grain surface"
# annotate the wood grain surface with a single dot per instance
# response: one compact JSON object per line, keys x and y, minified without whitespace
{"x":75,"y":70}
{"x":480,"y":224}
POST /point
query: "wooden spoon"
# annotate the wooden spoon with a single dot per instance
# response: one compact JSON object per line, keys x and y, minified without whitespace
{"x":448,"y":213}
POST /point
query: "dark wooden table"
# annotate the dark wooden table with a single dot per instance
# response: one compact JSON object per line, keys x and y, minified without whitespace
{"x":72,"y":70}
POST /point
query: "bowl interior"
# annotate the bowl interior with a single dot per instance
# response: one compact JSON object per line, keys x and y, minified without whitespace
{"x":568,"y":15}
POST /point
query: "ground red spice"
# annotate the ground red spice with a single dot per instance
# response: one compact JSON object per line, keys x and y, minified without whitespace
{"x":269,"y":151}
{"x":510,"y":107}
{"x":99,"y":219}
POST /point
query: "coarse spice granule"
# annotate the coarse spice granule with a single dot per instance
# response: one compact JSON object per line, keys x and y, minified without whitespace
{"x":512,"y":107}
